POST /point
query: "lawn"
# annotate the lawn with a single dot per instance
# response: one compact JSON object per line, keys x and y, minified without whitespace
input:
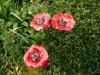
{"x":75,"y":52}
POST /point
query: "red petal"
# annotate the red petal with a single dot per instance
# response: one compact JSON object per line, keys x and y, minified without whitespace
{"x":68,"y":15}
{"x":44,"y":64}
{"x":55,"y":20}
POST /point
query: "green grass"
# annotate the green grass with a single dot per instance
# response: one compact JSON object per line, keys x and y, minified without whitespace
{"x":74,"y":52}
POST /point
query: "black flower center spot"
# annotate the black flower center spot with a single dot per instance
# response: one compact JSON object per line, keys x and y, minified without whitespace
{"x":62,"y":22}
{"x":35,"y":56}
{"x":40,"y":21}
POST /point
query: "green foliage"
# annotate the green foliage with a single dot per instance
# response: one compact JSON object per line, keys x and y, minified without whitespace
{"x":74,"y":52}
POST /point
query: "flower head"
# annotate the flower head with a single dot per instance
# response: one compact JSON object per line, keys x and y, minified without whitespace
{"x":63,"y":21}
{"x":40,"y":21}
{"x":36,"y":56}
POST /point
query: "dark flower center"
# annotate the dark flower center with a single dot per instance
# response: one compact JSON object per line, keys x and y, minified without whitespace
{"x":62,"y":22}
{"x":35,"y":56}
{"x":40,"y":21}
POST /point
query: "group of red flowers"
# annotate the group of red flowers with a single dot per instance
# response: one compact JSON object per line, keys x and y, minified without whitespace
{"x":59,"y":21}
{"x":36,"y":55}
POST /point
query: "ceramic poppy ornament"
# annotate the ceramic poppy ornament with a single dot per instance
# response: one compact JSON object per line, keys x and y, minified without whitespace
{"x":40,"y":21}
{"x":63,"y":21}
{"x":36,"y":56}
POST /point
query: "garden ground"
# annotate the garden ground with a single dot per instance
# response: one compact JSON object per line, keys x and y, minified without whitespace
{"x":74,"y":52}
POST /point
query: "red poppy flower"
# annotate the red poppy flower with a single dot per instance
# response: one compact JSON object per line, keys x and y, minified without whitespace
{"x":36,"y":56}
{"x":40,"y":21}
{"x":63,"y":21}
